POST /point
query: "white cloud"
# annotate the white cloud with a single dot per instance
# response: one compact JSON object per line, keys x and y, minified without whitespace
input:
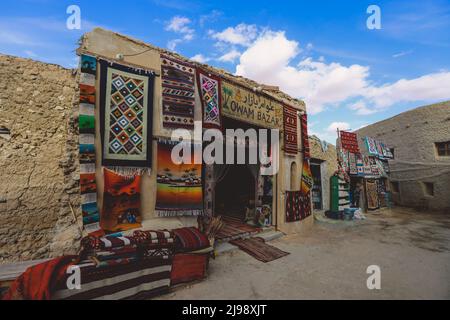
{"x":268,"y":59}
{"x":211,"y":17}
{"x":180,"y":25}
{"x":243,"y":34}
{"x":230,"y":56}
{"x":334,"y":126}
{"x":200,"y":58}
{"x":361,"y":108}
{"x":401,"y":54}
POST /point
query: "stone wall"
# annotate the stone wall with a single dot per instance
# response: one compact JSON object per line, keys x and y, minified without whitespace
{"x":413,"y":135}
{"x":39,"y":160}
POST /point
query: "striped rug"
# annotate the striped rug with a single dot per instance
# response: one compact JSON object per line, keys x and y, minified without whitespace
{"x":142,"y":279}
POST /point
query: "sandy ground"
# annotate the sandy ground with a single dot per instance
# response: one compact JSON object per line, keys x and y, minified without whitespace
{"x":330,"y":261}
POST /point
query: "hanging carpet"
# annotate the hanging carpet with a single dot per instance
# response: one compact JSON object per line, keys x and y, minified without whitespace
{"x":210,"y":95}
{"x":290,"y":130}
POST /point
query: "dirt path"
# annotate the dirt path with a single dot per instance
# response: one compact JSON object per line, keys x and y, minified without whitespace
{"x":330,"y":262}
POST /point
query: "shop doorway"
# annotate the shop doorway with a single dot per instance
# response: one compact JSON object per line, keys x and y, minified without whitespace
{"x":317,"y":192}
{"x":235,"y":193}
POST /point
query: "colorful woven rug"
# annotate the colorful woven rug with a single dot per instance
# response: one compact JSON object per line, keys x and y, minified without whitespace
{"x":234,"y":228}
{"x":210,"y":95}
{"x":190,"y":239}
{"x":349,"y":141}
{"x":353,"y":167}
{"x":293,"y":208}
{"x":374,"y":166}
{"x":178,"y":93}
{"x":371,"y":146}
{"x":179,"y":186}
{"x":121,"y":202}
{"x":136,"y":280}
{"x":359,"y":164}
{"x":290,"y":130}
{"x":305,"y":137}
{"x":257,"y":248}
{"x":88,"y":185}
{"x":372,"y":194}
{"x":126,"y":118}
{"x":367,"y":167}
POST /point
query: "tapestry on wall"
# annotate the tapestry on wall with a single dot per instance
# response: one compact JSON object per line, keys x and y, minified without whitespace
{"x":178,"y":93}
{"x":374,"y":166}
{"x":352,"y":164}
{"x":372,"y":194}
{"x":305,"y":188}
{"x":305,"y":137}
{"x":86,"y":124}
{"x":290,"y":130}
{"x":121,"y":202}
{"x":293,"y":206}
{"x":371,"y":146}
{"x":179,"y":186}
{"x":349,"y":141}
{"x":210,"y":94}
{"x":359,"y":164}
{"x":126,"y":118}
{"x":367,"y":167}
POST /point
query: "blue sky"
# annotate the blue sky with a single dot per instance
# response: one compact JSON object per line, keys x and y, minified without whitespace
{"x":320,"y":51}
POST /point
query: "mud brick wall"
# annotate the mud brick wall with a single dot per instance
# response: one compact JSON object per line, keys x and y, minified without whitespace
{"x":38,"y":172}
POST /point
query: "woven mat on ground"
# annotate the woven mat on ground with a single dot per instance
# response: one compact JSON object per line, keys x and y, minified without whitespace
{"x":257,"y":248}
{"x":234,"y":228}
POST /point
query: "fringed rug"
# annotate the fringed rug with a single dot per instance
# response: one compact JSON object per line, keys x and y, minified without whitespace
{"x":86,"y":119}
{"x":179,"y":186}
{"x":126,"y":118}
{"x":210,"y":90}
{"x":372,"y":194}
{"x":257,"y":248}
{"x":121,"y":202}
{"x":349,"y":141}
{"x":290,"y":130}
{"x":234,"y":228}
{"x":178,"y":93}
{"x":305,"y":137}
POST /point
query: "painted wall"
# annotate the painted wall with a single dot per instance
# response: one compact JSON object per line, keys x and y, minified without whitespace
{"x":413,"y":135}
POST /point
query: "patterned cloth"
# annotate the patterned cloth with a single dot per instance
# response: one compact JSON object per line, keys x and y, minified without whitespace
{"x":88,"y":185}
{"x":359,"y":164}
{"x":349,"y":141}
{"x":305,"y":137}
{"x":290,"y":130}
{"x":179,"y":186}
{"x":371,"y":146}
{"x":40,"y":281}
{"x":210,"y":95}
{"x":190,"y":239}
{"x":353,"y":167}
{"x":140,"y":279}
{"x":126,"y":118}
{"x":121,"y":202}
{"x":367,"y":167}
{"x":293,"y":207}
{"x":372,"y":194}
{"x":178,"y":91}
{"x":374,"y":166}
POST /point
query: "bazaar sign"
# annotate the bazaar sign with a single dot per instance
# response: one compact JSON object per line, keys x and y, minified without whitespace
{"x":245,"y":105}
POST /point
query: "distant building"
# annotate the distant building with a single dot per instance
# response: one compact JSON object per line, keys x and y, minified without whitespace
{"x":420,"y":141}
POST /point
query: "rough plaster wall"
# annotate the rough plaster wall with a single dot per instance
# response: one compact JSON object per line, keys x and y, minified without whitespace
{"x":328,"y":168}
{"x":39,"y":162}
{"x":412,"y":134}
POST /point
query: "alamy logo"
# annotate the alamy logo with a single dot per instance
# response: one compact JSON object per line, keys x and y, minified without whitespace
{"x":74,"y":20}
{"x":374,"y":20}
{"x":74,"y":280}
{"x":255,"y":141}
{"x":374,"y":280}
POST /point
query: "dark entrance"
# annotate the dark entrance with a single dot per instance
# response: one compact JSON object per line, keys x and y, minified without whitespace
{"x":235,"y":194}
{"x":317,"y":193}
